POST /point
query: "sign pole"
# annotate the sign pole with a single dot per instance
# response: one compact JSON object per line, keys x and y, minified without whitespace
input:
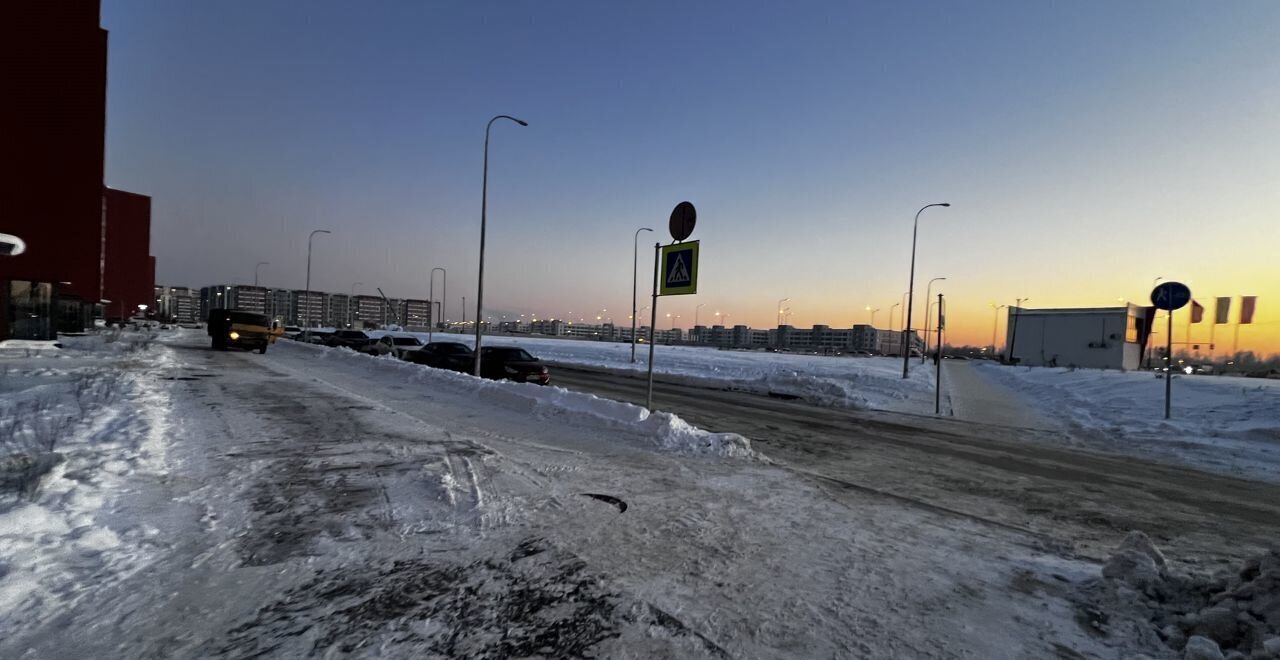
{"x":648,"y":400}
{"x":1168,"y":369}
{"x":937,"y":393}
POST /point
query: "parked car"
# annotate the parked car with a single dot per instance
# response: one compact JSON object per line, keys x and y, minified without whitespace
{"x":443,"y":355}
{"x":396,"y":345}
{"x":353,"y":339}
{"x":315,"y":337}
{"x":292,"y":332}
{"x":512,"y":363}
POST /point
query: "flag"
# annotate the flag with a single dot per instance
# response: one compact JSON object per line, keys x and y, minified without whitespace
{"x":1197,"y":312}
{"x":1222,"y":310}
{"x":1247,"y":305}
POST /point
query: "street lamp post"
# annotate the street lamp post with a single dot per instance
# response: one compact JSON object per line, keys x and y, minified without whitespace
{"x":911,"y":286}
{"x":928,"y":295}
{"x":780,"y":303}
{"x":306,"y":300}
{"x":891,"y":308}
{"x":255,"y":271}
{"x":873,"y":315}
{"x":484,"y":202}
{"x":995,"y":323}
{"x":635,"y":256}
{"x":444,"y":293}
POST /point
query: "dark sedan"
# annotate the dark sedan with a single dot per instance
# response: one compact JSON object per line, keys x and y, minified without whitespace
{"x":443,"y":355}
{"x":511,"y":363}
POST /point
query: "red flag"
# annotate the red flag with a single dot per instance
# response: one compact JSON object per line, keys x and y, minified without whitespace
{"x":1247,"y":306}
{"x":1222,"y":310}
{"x":1197,"y":312}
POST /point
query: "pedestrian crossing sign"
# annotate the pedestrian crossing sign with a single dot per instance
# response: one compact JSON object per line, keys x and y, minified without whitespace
{"x":679,"y":269}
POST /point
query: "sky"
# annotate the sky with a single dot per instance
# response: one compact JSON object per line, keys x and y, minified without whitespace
{"x":1087,"y":148}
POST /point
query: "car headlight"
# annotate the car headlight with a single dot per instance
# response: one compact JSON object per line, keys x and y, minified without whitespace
{"x":234,"y":335}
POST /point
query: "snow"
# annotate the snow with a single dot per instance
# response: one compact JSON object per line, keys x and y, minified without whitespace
{"x":836,"y":381}
{"x":105,"y":426}
{"x":549,"y":402}
{"x":1224,"y":424}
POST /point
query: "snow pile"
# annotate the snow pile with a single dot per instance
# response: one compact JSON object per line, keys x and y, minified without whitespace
{"x":1231,"y":615}
{"x":837,"y":382}
{"x":1224,"y":424}
{"x":668,"y":431}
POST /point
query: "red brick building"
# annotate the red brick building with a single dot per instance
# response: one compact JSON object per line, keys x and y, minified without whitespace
{"x":54,"y":81}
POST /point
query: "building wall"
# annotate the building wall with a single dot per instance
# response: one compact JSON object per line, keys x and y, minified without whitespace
{"x":1098,"y":338}
{"x":53,"y":120}
{"x":128,"y":275}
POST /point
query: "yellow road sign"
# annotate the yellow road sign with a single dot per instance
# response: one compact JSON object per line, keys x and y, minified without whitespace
{"x":679,"y":273}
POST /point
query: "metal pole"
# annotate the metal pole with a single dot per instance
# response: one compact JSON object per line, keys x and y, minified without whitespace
{"x":444,"y":297}
{"x":648,"y":399}
{"x":484,"y":202}
{"x":911,"y":288}
{"x":635,"y":263}
{"x":928,"y":293}
{"x":1168,"y":366}
{"x":893,"y":307}
{"x":937,"y":392}
{"x":306,"y":300}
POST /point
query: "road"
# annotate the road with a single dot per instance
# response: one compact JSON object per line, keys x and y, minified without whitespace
{"x":1028,"y":479}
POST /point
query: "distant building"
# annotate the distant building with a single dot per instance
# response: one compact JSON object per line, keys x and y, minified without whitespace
{"x":309,"y":309}
{"x":176,"y":304}
{"x":1092,"y":337}
{"x":337,"y":310}
{"x":415,"y":313}
{"x":368,"y":311}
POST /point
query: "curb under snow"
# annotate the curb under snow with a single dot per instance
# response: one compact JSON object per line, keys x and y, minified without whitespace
{"x":668,"y":431}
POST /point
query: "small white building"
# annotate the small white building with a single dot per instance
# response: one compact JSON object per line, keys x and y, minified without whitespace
{"x":1090,"y":337}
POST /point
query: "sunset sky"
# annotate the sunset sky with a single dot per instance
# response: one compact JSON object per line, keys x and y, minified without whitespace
{"x":1086,"y":148}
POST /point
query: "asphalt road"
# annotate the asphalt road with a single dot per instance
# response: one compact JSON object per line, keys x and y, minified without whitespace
{"x":1020,"y":478}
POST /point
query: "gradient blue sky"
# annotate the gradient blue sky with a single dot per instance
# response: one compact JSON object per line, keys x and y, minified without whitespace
{"x":1086,"y":147}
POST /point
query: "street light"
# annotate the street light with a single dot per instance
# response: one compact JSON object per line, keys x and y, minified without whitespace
{"x":306,"y":300}
{"x":873,"y":315}
{"x":911,"y":288}
{"x":635,"y":255}
{"x":444,"y":293}
{"x":255,"y":271}
{"x":484,"y":202}
{"x":891,"y":308}
{"x":780,"y":302}
{"x":995,"y":323}
{"x":928,"y":295}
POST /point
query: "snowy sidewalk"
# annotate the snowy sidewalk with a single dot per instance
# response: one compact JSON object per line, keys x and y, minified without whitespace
{"x":975,"y":398}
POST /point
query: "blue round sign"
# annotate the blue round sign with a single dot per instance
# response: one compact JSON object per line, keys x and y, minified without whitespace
{"x":1170,"y":296}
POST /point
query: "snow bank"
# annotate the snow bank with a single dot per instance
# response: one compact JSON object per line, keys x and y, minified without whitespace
{"x":1225,"y":424}
{"x":836,"y":382}
{"x":668,"y":431}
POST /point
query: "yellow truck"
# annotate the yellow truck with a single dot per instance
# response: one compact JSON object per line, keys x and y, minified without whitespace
{"x":234,"y":328}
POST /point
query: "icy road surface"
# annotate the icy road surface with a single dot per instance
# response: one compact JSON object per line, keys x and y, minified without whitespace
{"x":314,"y":503}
